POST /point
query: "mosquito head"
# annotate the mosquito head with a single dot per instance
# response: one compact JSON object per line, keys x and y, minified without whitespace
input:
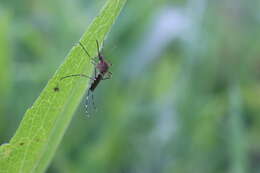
{"x":103,"y":66}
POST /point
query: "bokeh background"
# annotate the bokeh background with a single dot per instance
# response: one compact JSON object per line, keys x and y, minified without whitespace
{"x":185,"y":92}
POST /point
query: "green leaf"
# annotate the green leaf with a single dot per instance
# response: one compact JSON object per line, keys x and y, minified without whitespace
{"x":44,"y":124}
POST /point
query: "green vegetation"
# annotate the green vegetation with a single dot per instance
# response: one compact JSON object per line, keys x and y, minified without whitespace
{"x":184,"y":96}
{"x":44,"y":124}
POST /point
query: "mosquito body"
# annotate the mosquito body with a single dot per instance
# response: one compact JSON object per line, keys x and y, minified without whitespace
{"x":100,"y":73}
{"x":102,"y":66}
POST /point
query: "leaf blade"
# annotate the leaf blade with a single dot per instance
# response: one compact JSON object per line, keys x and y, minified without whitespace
{"x":44,"y":124}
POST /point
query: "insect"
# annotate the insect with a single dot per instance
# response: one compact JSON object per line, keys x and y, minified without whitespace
{"x":56,"y":89}
{"x":100,"y":73}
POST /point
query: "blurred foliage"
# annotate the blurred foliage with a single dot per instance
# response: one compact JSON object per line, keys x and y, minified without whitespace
{"x":185,"y":91}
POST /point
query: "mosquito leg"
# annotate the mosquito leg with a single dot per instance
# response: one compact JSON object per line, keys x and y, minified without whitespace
{"x":77,"y":75}
{"x":85,"y":50}
{"x":108,"y":76}
{"x":110,"y":64}
{"x":94,"y":59}
{"x":93,"y":62}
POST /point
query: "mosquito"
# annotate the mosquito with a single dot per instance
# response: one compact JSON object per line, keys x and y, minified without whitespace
{"x":101,"y":72}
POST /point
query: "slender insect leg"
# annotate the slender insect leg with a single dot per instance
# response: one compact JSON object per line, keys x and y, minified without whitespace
{"x":105,"y":78}
{"x":95,"y":60}
{"x":109,"y":75}
{"x":84,"y":49}
{"x":110,"y":64}
{"x":77,"y":75}
{"x":95,"y":69}
{"x":73,"y":75}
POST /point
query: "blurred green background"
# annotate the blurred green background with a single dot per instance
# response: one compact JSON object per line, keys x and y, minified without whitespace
{"x":185,"y":92}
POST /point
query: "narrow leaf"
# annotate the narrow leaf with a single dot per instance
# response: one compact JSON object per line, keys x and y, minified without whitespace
{"x":44,"y":124}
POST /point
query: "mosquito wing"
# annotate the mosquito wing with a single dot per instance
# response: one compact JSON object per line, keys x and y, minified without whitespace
{"x":90,"y":104}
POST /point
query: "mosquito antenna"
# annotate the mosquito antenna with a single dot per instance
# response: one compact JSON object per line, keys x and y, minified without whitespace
{"x":84,"y":49}
{"x":76,"y":75}
{"x":98,"y":49}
